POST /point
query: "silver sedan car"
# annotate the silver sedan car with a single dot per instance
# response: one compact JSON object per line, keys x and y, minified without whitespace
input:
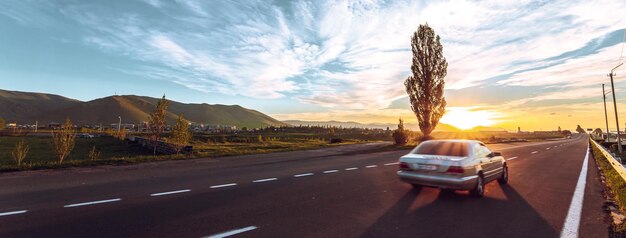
{"x":453,"y":164}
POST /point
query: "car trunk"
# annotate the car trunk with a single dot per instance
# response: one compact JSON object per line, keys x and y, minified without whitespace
{"x":431,"y":164}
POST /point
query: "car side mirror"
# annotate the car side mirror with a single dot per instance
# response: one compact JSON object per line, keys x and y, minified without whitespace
{"x":494,"y":154}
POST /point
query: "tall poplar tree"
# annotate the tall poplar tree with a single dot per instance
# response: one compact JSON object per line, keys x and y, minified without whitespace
{"x":425,"y":85}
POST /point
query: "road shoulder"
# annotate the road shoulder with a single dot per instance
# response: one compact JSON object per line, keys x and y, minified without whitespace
{"x":593,"y":222}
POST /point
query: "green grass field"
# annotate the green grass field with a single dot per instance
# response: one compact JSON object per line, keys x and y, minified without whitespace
{"x":42,"y":150}
{"x":114,"y":151}
{"x":615,"y":183}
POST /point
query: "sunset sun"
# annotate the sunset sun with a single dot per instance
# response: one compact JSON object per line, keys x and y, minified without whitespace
{"x":466,"y":118}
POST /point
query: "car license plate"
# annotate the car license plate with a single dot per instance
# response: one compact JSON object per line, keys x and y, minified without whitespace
{"x":427,"y":167}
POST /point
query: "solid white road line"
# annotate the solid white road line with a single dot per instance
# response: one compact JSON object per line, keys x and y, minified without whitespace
{"x":394,"y":163}
{"x":353,"y":168}
{"x":302,"y":175}
{"x":233,"y":232}
{"x":93,"y":203}
{"x":371,"y":166}
{"x":171,"y":192}
{"x":331,"y":171}
{"x":264,"y":180}
{"x":572,"y":221}
{"x":224,"y":185}
{"x":13,"y":213}
{"x":512,"y":158}
{"x":534,"y":152}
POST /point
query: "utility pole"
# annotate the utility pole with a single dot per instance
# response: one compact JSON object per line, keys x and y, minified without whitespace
{"x":119,"y":125}
{"x":606,"y":118}
{"x":619,"y":143}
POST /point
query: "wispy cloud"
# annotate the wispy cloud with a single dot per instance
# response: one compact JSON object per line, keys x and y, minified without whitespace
{"x":352,"y":55}
{"x":361,"y":47}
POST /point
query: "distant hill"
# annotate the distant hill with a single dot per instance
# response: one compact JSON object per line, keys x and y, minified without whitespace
{"x":349,"y":124}
{"x":23,"y":106}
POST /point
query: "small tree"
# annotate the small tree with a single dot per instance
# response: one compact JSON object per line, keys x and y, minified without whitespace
{"x":579,"y":129}
{"x":64,"y":139}
{"x":20,"y":152}
{"x":425,"y":85}
{"x":400,"y":135}
{"x":180,"y":133}
{"x":157,"y":121}
{"x":2,"y":123}
{"x":94,"y":154}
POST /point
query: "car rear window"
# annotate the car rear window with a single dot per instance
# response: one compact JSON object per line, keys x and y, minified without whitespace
{"x":446,"y":148}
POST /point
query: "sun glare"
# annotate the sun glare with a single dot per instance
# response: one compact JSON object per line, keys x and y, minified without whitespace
{"x":466,"y":118}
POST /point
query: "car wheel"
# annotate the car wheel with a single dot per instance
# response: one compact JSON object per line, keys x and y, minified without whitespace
{"x":479,"y":190}
{"x":504,"y":179}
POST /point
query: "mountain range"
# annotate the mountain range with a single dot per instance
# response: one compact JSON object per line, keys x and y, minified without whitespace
{"x":350,"y":124}
{"x":27,"y":107}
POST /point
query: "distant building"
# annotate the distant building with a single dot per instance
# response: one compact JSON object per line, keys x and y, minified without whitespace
{"x":114,"y":126}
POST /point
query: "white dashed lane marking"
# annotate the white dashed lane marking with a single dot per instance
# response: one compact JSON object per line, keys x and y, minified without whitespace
{"x":212,"y":187}
{"x":233,"y":232}
{"x":13,"y":213}
{"x":264,"y":180}
{"x":303,"y":175}
{"x":93,"y":203}
{"x":534,"y":152}
{"x":224,"y":185}
{"x":171,"y":192}
{"x":512,"y":158}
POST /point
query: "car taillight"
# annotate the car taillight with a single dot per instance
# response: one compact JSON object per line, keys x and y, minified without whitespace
{"x":404,"y":166}
{"x":455,"y":169}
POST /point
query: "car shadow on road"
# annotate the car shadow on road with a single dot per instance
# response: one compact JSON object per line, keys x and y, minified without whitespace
{"x":457,"y":214}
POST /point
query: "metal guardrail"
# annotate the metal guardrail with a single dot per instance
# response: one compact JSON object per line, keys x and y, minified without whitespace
{"x":621,"y":170}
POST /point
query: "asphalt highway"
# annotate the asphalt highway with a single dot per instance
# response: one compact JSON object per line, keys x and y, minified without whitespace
{"x":340,"y":192}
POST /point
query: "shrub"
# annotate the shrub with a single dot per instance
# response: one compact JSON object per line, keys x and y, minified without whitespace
{"x":400,"y":135}
{"x":20,"y":152}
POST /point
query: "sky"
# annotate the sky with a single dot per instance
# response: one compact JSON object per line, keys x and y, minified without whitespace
{"x":533,"y":64}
